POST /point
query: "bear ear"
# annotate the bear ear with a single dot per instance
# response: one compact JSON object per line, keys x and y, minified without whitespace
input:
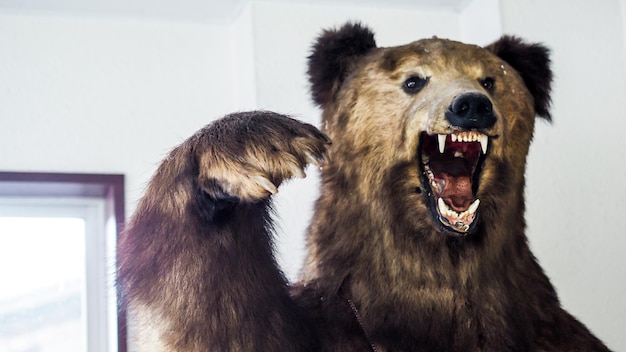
{"x":532,"y":62}
{"x":332,"y":57}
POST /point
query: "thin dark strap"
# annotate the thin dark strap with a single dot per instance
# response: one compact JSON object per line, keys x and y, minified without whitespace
{"x":360,"y":321}
{"x":341,"y":292}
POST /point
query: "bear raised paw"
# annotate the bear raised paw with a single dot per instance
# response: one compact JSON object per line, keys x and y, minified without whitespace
{"x":417,"y":240}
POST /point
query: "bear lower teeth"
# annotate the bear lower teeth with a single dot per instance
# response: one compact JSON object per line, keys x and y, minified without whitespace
{"x":460,"y":221}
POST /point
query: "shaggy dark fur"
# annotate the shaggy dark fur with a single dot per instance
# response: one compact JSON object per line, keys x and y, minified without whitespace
{"x":386,"y":268}
{"x":533,"y":63}
{"x":333,"y":56}
{"x":200,"y":259}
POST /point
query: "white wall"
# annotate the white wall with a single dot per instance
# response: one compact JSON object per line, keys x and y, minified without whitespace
{"x":106,"y":95}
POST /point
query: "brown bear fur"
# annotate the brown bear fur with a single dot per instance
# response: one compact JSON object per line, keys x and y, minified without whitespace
{"x":387,"y":269}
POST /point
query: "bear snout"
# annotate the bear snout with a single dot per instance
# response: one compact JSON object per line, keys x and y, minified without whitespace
{"x":471,"y":111}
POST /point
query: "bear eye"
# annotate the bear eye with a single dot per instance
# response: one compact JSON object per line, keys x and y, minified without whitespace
{"x":414,"y":84}
{"x":488,"y":83}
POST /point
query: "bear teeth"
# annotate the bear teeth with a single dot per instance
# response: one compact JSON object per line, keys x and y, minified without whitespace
{"x":460,"y":221}
{"x":442,"y":142}
{"x":466,"y":137}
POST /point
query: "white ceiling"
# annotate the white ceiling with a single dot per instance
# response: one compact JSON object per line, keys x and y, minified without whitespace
{"x":208,"y":11}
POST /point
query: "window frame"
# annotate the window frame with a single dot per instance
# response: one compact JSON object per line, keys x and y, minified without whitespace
{"x":105,"y":189}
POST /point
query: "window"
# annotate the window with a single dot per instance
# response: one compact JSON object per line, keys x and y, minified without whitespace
{"x":57,"y":254}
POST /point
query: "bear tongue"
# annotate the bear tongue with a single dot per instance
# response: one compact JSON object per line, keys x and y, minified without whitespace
{"x":453,"y":175}
{"x":457,"y":191}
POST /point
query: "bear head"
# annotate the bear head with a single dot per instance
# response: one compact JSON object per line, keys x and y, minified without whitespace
{"x":434,"y":133}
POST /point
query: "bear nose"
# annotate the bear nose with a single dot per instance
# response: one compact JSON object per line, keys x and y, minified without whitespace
{"x":471,"y":111}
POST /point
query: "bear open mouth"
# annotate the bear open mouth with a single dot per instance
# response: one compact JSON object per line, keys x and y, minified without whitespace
{"x":450,"y":167}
